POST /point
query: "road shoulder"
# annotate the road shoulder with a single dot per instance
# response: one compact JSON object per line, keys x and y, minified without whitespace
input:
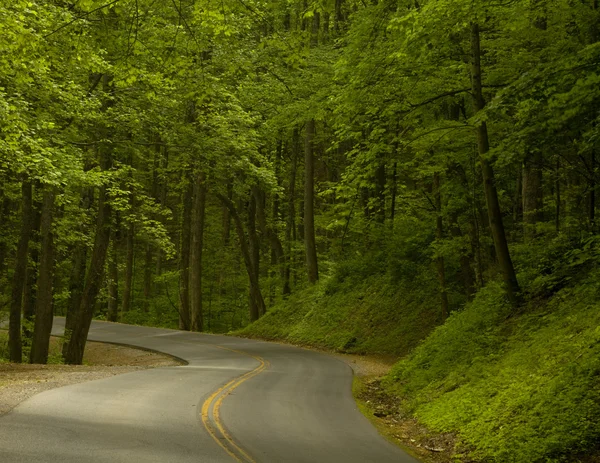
{"x":19,"y":382}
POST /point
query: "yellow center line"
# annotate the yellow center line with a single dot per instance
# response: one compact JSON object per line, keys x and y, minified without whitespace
{"x":213,"y":404}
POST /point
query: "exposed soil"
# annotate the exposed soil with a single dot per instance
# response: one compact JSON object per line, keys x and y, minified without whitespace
{"x":19,"y":382}
{"x":385,"y":413}
{"x":401,"y":428}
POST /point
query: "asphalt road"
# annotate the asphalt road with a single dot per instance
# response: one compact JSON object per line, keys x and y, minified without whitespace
{"x":236,"y":400}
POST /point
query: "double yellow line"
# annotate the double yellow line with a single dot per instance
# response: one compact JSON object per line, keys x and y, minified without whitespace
{"x":211,"y":411}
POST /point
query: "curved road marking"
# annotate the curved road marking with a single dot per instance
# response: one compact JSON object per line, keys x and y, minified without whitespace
{"x":210,"y":413}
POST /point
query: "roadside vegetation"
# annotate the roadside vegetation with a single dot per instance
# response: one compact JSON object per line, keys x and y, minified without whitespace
{"x":509,"y":384}
{"x":416,"y":179}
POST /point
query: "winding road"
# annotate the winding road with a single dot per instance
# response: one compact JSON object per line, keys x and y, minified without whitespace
{"x":237,"y":400}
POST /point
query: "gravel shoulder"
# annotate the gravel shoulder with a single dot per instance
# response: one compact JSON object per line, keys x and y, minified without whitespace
{"x":18,"y":382}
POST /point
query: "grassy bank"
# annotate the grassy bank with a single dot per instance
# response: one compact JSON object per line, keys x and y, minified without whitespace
{"x":514,"y":385}
{"x":369,"y":316}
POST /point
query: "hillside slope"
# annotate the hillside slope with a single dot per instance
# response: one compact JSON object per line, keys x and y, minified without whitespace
{"x":515,"y":385}
{"x":370,"y":316}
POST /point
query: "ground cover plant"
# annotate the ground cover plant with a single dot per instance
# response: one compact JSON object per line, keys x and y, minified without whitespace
{"x":407,"y":178}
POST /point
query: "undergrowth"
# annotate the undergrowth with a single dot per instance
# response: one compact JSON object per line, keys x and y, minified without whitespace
{"x":54,"y":353}
{"x":515,"y":385}
{"x":366,"y":317}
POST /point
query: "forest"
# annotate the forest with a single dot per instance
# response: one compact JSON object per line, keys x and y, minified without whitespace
{"x":415,"y":178}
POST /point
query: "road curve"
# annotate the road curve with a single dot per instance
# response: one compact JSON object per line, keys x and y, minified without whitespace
{"x":237,"y":400}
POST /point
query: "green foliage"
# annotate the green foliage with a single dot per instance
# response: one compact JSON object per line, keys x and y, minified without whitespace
{"x":514,"y":387}
{"x":153,"y":318}
{"x":140,"y":99}
{"x":357,"y":309}
{"x":4,"y":353}
{"x":547,"y":264}
{"x":54,"y":353}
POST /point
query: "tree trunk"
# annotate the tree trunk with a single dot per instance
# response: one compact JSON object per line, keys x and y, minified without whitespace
{"x":532,"y":194}
{"x":14,"y":327}
{"x":277,"y":253}
{"x":467,"y":254}
{"x":82,"y":319}
{"x":380,"y":192}
{"x":44,"y":308}
{"x":439,"y":236}
{"x":226,"y":217}
{"x":148,"y":277}
{"x":489,"y":182}
{"x":184,"y":260}
{"x":254,"y":248}
{"x":5,"y":207}
{"x":77,"y":279}
{"x":291,"y":213}
{"x":518,"y":199}
{"x":338,"y":17}
{"x":30,"y":291}
{"x":257,"y":302}
{"x":113,"y":281}
{"x":163,"y":187}
{"x":129,"y":263}
{"x":197,"y":248}
{"x":466,"y":257}
{"x":269,"y":231}
{"x":394,"y":192}
{"x":309,"y":204}
{"x":557,"y":190}
{"x":592,"y":199}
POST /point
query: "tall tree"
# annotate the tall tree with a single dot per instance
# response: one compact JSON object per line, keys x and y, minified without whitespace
{"x":198,"y":220}
{"x":489,"y":181}
{"x":309,"y":204}
{"x":44,"y":304}
{"x":14,"y":327}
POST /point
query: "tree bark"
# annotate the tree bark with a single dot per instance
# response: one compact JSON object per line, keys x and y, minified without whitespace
{"x":148,"y":268}
{"x":291,"y":213}
{"x":184,"y":260}
{"x":269,"y":231}
{"x":394,"y":193}
{"x":82,"y":318}
{"x":439,"y":234}
{"x":77,"y":278}
{"x":44,"y":307}
{"x":254,"y":246}
{"x":129,"y":263}
{"x":113,"y":281}
{"x":30,"y":291}
{"x":257,"y":302}
{"x":338,"y":17}
{"x":163,"y":188}
{"x":489,"y":182}
{"x":466,"y":257}
{"x":309,"y":204}
{"x":532,"y":194}
{"x":14,"y":327}
{"x":380,"y":192}
{"x":518,"y":198}
{"x":197,"y":249}
{"x":467,"y":254}
{"x":5,"y":207}
{"x":557,"y":190}
{"x":592,"y":199}
{"x":226,"y":217}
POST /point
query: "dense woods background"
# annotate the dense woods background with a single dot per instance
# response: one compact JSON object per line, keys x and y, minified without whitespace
{"x":199,"y":164}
